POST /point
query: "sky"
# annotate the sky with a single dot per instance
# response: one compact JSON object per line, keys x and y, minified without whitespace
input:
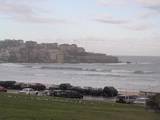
{"x":115,"y":27}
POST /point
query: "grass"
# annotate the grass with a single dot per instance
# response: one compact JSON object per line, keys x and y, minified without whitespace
{"x":23,"y":107}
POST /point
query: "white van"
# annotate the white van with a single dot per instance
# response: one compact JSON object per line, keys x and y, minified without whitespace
{"x":126,"y":99}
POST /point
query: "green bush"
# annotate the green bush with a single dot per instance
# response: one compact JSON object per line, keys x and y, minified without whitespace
{"x":38,"y":86}
{"x":154,"y":102}
{"x":65,"y":86}
{"x":7,"y":84}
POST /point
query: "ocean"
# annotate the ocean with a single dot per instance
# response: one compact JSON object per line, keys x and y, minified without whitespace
{"x":143,"y":73}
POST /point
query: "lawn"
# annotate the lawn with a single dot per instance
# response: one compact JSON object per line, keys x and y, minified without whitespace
{"x":23,"y":107}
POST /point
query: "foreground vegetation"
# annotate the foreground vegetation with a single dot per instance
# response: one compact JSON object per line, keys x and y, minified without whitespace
{"x":23,"y":107}
{"x":154,"y":102}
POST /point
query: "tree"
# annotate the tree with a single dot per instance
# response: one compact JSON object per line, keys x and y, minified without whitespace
{"x":110,"y":92}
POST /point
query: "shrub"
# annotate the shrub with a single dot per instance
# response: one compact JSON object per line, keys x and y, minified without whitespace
{"x":38,"y":86}
{"x":93,"y":91}
{"x":154,"y":102}
{"x":17,"y":87}
{"x":54,"y":87}
{"x":65,"y":86}
{"x":7,"y":84}
{"x":97,"y":92}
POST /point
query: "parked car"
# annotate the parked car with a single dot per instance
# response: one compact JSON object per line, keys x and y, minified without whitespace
{"x":2,"y":89}
{"x":28,"y":91}
{"x":126,"y":99}
{"x":66,"y":94}
{"x":44,"y":93}
{"x":141,"y":100}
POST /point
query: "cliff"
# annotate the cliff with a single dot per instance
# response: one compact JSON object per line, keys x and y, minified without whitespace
{"x":33,"y":52}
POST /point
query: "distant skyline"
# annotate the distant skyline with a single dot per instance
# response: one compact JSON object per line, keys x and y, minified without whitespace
{"x":115,"y":27}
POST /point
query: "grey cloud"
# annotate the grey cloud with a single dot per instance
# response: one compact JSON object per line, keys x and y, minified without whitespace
{"x":24,"y":12}
{"x":15,"y":8}
{"x":138,"y":27}
{"x":127,"y":24}
{"x":148,"y":14}
{"x":151,"y":4}
{"x":111,"y":21}
{"x":154,"y":8}
{"x":112,"y":2}
{"x":139,"y":23}
{"x":37,"y":19}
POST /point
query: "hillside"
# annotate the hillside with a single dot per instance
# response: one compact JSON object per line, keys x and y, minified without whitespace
{"x":33,"y":52}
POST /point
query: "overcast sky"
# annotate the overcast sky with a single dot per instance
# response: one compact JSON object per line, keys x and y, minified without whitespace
{"x":117,"y":27}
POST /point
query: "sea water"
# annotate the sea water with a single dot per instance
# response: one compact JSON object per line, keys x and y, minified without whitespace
{"x":143,"y":73}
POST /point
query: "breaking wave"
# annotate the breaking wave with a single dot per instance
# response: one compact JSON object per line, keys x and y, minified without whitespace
{"x":105,"y":75}
{"x":118,"y":71}
{"x":142,"y":72}
{"x":75,"y":69}
{"x":11,"y":65}
{"x":133,"y":72}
